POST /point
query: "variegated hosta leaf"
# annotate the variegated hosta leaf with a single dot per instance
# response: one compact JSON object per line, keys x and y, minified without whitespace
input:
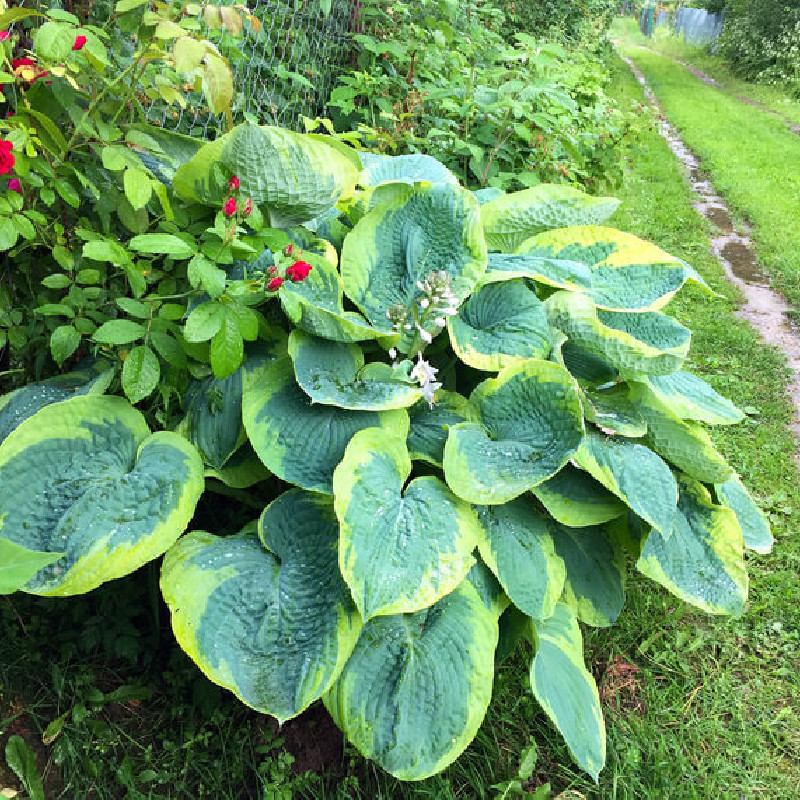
{"x":17,"y":406}
{"x":612,"y":410}
{"x":635,"y":474}
{"x":566,"y":689}
{"x":18,"y":565}
{"x":85,"y":477}
{"x":484,"y":196}
{"x":500,"y":324}
{"x":687,"y":446}
{"x":588,"y":369}
{"x":302,"y":442}
{"x":595,"y":582}
{"x":702,"y":559}
{"x":401,"y":547}
{"x":429,"y":425}
{"x":406,"y":169}
{"x":690,"y":397}
{"x":488,"y":588}
{"x":552,"y":272}
{"x":333,"y":373}
{"x":648,"y":343}
{"x":315,"y":305}
{"x":627,"y":273}
{"x":401,"y":241}
{"x":753,"y":522}
{"x":294,"y":178}
{"x":213,"y":421}
{"x":531,"y":423}
{"x":511,"y":219}
{"x":242,"y":470}
{"x":574,"y":498}
{"x":517,"y":545}
{"x":271,"y":620}
{"x":416,"y":689}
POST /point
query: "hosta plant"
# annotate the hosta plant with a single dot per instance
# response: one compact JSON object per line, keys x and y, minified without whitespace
{"x":465,"y":416}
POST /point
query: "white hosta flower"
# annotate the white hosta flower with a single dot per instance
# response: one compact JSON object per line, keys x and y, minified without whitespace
{"x":425,"y":375}
{"x":440,"y":322}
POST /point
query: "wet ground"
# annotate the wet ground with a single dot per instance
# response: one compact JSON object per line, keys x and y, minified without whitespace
{"x":765,"y":309}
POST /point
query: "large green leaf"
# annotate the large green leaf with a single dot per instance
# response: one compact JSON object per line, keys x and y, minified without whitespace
{"x":334,"y":373}
{"x":687,"y":446}
{"x":501,"y":324}
{"x":626,"y":273}
{"x":576,"y":499}
{"x":566,"y":690}
{"x":648,"y":343}
{"x":488,"y":588}
{"x":242,"y":470}
{"x":517,"y":545}
{"x":401,"y":241}
{"x":293,"y":177}
{"x":702,"y":559}
{"x":402,"y":547}
{"x":405,"y":169}
{"x":595,"y":583}
{"x":18,"y":565}
{"x":753,"y":521}
{"x":302,"y":442}
{"x":271,"y":620}
{"x":690,"y":397}
{"x":511,"y":219}
{"x":416,"y":689}
{"x":17,"y":406}
{"x":613,"y":411}
{"x":551,"y":272}
{"x":530,"y":425}
{"x":86,"y":478}
{"x":635,"y":474}
{"x":429,"y":425}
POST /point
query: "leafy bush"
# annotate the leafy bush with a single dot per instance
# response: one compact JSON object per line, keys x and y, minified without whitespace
{"x":584,"y":22}
{"x":457,"y":415}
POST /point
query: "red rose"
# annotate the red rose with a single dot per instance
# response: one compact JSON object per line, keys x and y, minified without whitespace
{"x":248,"y":207}
{"x":229,"y":209}
{"x":274,"y":284}
{"x":14,"y":185}
{"x":4,"y":35}
{"x":287,"y":250}
{"x":298,"y":271}
{"x":233,"y":184}
{"x":7,"y":159}
{"x":80,"y":41}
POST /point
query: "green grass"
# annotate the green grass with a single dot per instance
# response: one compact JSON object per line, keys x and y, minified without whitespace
{"x":774,"y":97}
{"x":710,"y":713}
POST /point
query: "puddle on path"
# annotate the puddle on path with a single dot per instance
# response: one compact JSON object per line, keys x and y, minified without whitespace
{"x":765,"y":309}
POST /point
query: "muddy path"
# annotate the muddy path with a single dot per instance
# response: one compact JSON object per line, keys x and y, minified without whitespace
{"x":765,"y":309}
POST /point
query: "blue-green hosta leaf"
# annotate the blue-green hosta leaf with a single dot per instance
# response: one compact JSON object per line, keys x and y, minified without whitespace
{"x":484,"y":196}
{"x":574,"y":498}
{"x":427,"y":433}
{"x":556,"y":273}
{"x":690,"y":397}
{"x":334,"y":374}
{"x":406,"y":169}
{"x":753,"y":522}
{"x":635,"y":474}
{"x":566,"y":690}
{"x":242,"y":470}
{"x":702,"y":560}
{"x":18,"y":565}
{"x":293,"y":177}
{"x":686,"y":445}
{"x":517,"y":545}
{"x":416,"y":689}
{"x":401,"y":547}
{"x":531,"y":423}
{"x":595,"y":584}
{"x":271,"y":620}
{"x":315,"y":305}
{"x":613,"y":411}
{"x":627,"y":273}
{"x":588,"y":369}
{"x":299,"y":441}
{"x":488,"y":588}
{"x":511,"y":219}
{"x":17,"y":406}
{"x":85,"y":477}
{"x":500,"y":324}
{"x":648,"y":343}
{"x":401,"y":241}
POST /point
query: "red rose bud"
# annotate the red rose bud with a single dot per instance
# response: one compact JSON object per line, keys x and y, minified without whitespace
{"x":14,"y":185}
{"x":287,"y":251}
{"x":7,"y":159}
{"x":248,"y":207}
{"x":26,"y":69}
{"x":233,"y":184}
{"x":229,"y":209}
{"x":275,"y":284}
{"x":4,"y":35}
{"x":298,"y":271}
{"x":272,"y":270}
{"x":80,"y":41}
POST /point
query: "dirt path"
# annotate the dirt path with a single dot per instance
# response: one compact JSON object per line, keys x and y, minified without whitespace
{"x":765,"y":309}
